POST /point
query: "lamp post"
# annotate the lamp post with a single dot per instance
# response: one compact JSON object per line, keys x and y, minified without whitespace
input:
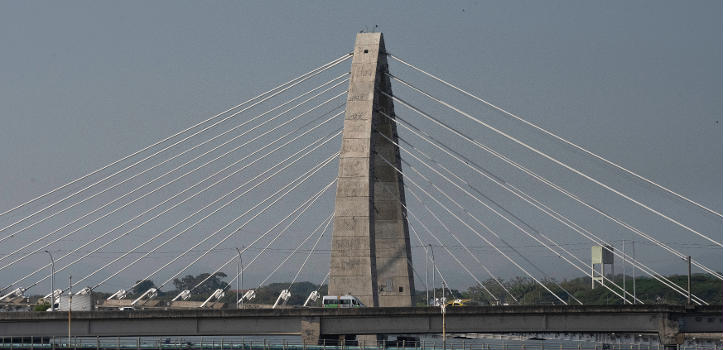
{"x":689,"y":303}
{"x":52,"y":282}
{"x":426,"y":273}
{"x":443,"y":308}
{"x":70,"y":302}
{"x":240,"y":277}
{"x":434,"y":267}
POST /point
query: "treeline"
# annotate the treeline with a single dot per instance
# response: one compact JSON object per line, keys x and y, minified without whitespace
{"x":526,"y":290}
{"x":204,"y":284}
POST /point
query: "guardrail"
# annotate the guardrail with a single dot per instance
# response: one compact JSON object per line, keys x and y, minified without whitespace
{"x":139,"y":343}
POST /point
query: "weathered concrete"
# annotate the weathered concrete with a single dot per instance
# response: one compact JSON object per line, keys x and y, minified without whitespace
{"x":671,"y":323}
{"x":310,"y":330}
{"x":370,"y":242}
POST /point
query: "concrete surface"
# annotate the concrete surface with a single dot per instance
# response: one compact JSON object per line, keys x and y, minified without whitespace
{"x":370,"y":242}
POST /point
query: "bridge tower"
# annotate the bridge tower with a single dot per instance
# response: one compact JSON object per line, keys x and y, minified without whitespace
{"x":371,"y":255}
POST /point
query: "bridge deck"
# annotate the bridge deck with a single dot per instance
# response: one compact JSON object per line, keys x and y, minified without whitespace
{"x":661,"y":319}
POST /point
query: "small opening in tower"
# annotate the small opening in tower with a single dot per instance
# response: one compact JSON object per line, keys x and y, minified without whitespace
{"x":366,"y":51}
{"x":401,"y":289}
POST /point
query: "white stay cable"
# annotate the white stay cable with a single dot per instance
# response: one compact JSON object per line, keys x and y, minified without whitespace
{"x":307,"y":175}
{"x":475,"y":167}
{"x":461,"y":207}
{"x":494,"y":211}
{"x":469,"y":227}
{"x":434,"y":266}
{"x":423,"y":244}
{"x":186,"y":189}
{"x":451,"y":199}
{"x":164,"y":185}
{"x":459,"y":262}
{"x":322,"y":142}
{"x":208,"y":205}
{"x":312,"y":72}
{"x":153,"y":155}
{"x":308,"y":205}
{"x":191,"y":149}
{"x":301,"y":209}
{"x":552,"y":185}
{"x":597,"y":240}
{"x":168,"y":229}
{"x":474,"y":257}
{"x":552,"y":159}
{"x":559,"y":138}
{"x":468,"y":213}
{"x":228,"y":194}
{"x":293,"y":252}
{"x":323,"y":280}
{"x":313,"y":248}
{"x":486,"y":228}
{"x":245,"y":192}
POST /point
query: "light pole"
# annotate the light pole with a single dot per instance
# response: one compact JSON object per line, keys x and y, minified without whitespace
{"x":634,"y":292}
{"x":434,"y":286}
{"x":426,"y":273}
{"x":52,"y":282}
{"x":689,"y":303}
{"x":443,"y":307}
{"x":70,"y":302}
{"x":240,"y":276}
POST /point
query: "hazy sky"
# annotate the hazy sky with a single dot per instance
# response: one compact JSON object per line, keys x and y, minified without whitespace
{"x":84,"y":83}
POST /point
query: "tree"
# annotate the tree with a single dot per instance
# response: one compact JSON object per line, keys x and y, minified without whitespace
{"x":142,"y":287}
{"x":41,"y":306}
{"x":207,"y":287}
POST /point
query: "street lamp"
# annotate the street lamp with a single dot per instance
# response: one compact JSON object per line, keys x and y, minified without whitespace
{"x":52,"y":282}
{"x":239,"y":272}
{"x":443,"y":308}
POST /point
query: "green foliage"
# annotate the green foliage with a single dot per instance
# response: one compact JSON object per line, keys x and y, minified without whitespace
{"x":41,"y":306}
{"x":526,"y":290}
{"x":648,"y":290}
{"x":142,"y":287}
{"x":204,"y":289}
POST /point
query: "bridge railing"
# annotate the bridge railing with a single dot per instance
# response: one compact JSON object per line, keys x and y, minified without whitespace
{"x":239,"y":343}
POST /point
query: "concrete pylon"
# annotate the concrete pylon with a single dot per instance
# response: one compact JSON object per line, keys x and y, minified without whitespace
{"x":371,"y":255}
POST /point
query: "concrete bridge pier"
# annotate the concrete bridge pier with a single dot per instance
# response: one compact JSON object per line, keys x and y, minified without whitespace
{"x":310,"y":330}
{"x":311,"y":334}
{"x":669,"y":331}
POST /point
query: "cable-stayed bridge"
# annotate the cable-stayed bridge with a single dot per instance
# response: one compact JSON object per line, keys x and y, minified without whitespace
{"x":386,"y":173}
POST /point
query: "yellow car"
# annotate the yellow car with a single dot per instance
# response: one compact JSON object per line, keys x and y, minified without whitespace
{"x":458,"y":302}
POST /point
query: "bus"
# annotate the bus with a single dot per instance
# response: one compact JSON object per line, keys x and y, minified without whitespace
{"x":344,"y":301}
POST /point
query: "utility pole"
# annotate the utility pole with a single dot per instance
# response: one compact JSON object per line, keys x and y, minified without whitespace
{"x":242,"y":273}
{"x":426,"y":273}
{"x":443,"y":307}
{"x":52,"y":282}
{"x":634,"y":293}
{"x":625,"y":289}
{"x":238,"y":272}
{"x":70,"y":303}
{"x":688,"y":279}
{"x":434,"y":268}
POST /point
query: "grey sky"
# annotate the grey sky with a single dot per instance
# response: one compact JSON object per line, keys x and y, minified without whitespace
{"x":86,"y":82}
